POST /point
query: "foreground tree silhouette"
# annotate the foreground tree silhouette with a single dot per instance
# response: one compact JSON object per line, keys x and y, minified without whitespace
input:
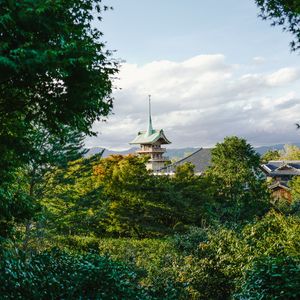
{"x":55,"y":73}
{"x":285,"y":13}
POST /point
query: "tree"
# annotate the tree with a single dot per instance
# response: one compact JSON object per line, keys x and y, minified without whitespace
{"x":50,"y":151}
{"x":140,"y":204}
{"x":270,"y":155}
{"x":193,"y":192}
{"x":285,"y":13}
{"x":238,"y":191}
{"x":73,"y":202}
{"x":55,"y":73}
{"x":117,"y":196}
{"x":62,"y":275}
{"x":54,"y":68}
{"x":290,"y":152}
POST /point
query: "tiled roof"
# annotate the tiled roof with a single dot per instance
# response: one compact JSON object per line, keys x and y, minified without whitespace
{"x":281,"y":167}
{"x":279,"y":184}
{"x":146,"y":137}
{"x":201,"y":159}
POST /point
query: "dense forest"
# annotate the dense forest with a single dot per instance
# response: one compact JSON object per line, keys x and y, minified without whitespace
{"x":76,"y":227}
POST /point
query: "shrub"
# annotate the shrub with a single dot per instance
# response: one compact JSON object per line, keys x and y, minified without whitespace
{"x":156,"y":259}
{"x":272,"y":278}
{"x":81,"y":243}
{"x":215,"y":268}
{"x":274,"y":235}
{"x":188,"y":243}
{"x":59,"y":275}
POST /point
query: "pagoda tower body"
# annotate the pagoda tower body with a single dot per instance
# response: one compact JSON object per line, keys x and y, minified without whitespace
{"x":150,"y":142}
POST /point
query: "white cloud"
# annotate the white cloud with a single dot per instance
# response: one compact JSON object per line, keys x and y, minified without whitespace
{"x":201,"y":100}
{"x":283,"y":76}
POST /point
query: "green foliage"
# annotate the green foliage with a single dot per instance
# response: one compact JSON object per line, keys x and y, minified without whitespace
{"x":55,"y":80}
{"x":188,"y":243}
{"x":290,"y":152}
{"x":270,"y":155}
{"x":215,"y":267}
{"x":51,"y":54}
{"x":285,"y":13}
{"x":59,"y":275}
{"x":72,"y":202}
{"x":295,"y":186}
{"x":15,"y":203}
{"x":203,"y":263}
{"x":117,"y":196}
{"x":274,"y":235}
{"x":238,"y":191}
{"x":50,"y":151}
{"x":155,"y":261}
{"x":272,"y":278}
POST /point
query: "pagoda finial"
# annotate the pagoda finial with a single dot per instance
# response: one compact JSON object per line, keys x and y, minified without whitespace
{"x":150,"y":128}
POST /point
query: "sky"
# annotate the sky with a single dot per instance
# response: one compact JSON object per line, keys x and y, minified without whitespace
{"x":213,"y":69}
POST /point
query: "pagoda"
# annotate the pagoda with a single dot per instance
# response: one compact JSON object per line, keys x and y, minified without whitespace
{"x":150,"y":142}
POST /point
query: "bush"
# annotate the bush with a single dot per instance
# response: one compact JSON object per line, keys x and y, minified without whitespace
{"x":216,"y":266}
{"x":274,"y":235}
{"x":81,"y":243}
{"x":157,"y":261}
{"x":59,"y":275}
{"x":188,"y":243}
{"x":212,"y":272}
{"x":272,"y":278}
{"x":209,"y":263}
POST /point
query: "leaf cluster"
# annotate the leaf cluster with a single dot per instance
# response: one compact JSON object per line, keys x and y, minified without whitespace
{"x":285,"y":13}
{"x":59,"y":275}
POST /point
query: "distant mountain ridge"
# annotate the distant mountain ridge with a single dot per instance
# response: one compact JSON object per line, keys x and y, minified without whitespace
{"x":178,"y":153}
{"x":263,"y":149}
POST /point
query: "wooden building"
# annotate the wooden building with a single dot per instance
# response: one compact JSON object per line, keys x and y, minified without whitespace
{"x":279,"y":173}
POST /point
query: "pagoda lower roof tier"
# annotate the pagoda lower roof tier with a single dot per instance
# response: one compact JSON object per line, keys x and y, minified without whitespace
{"x":146,"y":138}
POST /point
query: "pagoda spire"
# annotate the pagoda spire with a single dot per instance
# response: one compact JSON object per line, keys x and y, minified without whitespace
{"x":150,"y":128}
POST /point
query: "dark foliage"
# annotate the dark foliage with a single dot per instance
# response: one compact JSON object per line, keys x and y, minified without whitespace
{"x":59,"y":275}
{"x":272,"y":278}
{"x":285,"y":13}
{"x":55,"y":78}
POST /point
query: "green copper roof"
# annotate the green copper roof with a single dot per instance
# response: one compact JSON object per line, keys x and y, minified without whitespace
{"x":144,"y":137}
{"x":151,"y":135}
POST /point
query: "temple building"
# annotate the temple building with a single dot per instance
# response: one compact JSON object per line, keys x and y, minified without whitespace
{"x":279,"y":173}
{"x":200,"y":159}
{"x":150,"y":142}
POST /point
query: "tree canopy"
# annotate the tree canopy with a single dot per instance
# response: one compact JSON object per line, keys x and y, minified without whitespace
{"x":236,"y":185}
{"x":54,"y":70}
{"x":55,"y":77}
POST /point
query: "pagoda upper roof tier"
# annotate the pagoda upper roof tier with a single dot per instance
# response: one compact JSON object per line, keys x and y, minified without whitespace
{"x":146,"y":137}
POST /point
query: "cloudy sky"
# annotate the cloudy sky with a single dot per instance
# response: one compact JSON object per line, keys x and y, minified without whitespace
{"x":213,"y":69}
